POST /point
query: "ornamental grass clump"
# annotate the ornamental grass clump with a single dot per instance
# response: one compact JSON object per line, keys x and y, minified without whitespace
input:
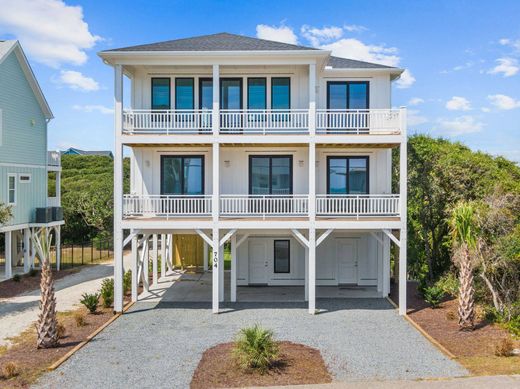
{"x":255,"y":349}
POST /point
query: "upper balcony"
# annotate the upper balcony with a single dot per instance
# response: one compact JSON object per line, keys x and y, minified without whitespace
{"x":264,"y":122}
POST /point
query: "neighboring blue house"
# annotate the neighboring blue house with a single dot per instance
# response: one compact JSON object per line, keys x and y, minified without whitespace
{"x":25,"y":164}
{"x":74,"y":151}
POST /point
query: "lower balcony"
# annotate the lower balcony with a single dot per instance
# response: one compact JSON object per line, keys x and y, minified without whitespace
{"x":262,"y":206}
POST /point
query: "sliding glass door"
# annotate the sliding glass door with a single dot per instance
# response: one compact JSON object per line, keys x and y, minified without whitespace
{"x":348,"y":95}
{"x":231,"y":101}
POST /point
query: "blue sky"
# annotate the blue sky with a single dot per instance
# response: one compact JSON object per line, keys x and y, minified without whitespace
{"x":463,"y":57}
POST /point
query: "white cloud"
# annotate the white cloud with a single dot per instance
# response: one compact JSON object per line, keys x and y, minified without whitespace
{"x":406,"y":80}
{"x":461,"y":125}
{"x":506,"y":66}
{"x":458,"y":103}
{"x":354,"y":28}
{"x":355,"y":49}
{"x":485,"y":109}
{"x":77,"y":81}
{"x":317,"y":36}
{"x":280,"y":34}
{"x":503,"y":102}
{"x":415,"y":101}
{"x":50,"y":31}
{"x":94,"y":108}
{"x":515,"y":44}
{"x":414,"y":118}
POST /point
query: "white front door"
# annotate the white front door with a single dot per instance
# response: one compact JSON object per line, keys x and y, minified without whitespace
{"x":258,"y":263}
{"x":346,"y":255}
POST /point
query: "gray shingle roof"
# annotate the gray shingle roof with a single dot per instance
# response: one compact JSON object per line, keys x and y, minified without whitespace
{"x":344,"y":63}
{"x":216,"y":42}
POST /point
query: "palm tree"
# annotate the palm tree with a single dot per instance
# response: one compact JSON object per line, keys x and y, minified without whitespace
{"x":464,"y":237}
{"x":46,"y":327}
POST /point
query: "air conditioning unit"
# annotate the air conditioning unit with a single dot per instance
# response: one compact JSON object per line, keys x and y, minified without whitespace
{"x":43,"y":215}
{"x":57,"y":214}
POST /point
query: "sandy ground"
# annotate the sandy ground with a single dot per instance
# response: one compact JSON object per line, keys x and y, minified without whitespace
{"x":18,"y":313}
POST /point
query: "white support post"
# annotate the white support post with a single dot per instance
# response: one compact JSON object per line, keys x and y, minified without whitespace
{"x":33,"y":249}
{"x":146,"y":264}
{"x":312,"y":271}
{"x":154,"y":259}
{"x":135,"y":268}
{"x":205,"y":249}
{"x":221,"y":273}
{"x":171,"y":247}
{"x":26,"y":250}
{"x":306,"y":273}
{"x":8,"y":254}
{"x":215,"y":120}
{"x":234,"y":268}
{"x":216,"y":184}
{"x":386,"y":266}
{"x":403,"y":179}
{"x":57,"y":231}
{"x":215,"y":271}
{"x":163,"y":255}
{"x":312,"y":99}
{"x":118,"y":189}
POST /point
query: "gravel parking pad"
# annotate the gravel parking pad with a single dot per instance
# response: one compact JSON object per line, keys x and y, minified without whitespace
{"x":160,"y":345}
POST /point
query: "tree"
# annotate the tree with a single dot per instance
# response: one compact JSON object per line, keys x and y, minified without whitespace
{"x":46,"y":327}
{"x":464,"y":238}
{"x":5,"y":213}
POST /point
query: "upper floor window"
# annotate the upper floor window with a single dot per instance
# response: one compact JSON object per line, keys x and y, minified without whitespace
{"x":205,"y":93}
{"x":231,"y":93}
{"x":347,"y":95}
{"x":256,"y":93}
{"x":280,"y":93}
{"x":184,"y":93}
{"x":347,"y":175}
{"x":270,"y":175}
{"x":182,"y":175}
{"x":160,"y":93}
{"x":11,"y":189}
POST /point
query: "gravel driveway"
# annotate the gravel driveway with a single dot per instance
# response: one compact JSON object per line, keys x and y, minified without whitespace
{"x":160,"y":345}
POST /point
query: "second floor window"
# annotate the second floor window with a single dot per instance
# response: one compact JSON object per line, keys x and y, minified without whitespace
{"x":347,"y":95}
{"x":184,"y":94}
{"x":182,"y":175}
{"x":270,"y":175}
{"x":256,"y":93}
{"x":280,"y":93}
{"x":347,"y":175}
{"x":160,"y":93}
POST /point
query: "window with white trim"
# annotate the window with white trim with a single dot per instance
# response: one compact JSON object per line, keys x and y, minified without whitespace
{"x":25,"y":178}
{"x":11,"y":189}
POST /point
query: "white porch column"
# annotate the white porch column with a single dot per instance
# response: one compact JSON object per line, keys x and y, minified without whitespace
{"x":8,"y":254}
{"x":216,"y":100}
{"x":171,"y":247}
{"x":215,"y":271}
{"x":26,"y":250}
{"x":205,"y":249}
{"x":154,"y":259}
{"x":234,"y":268}
{"x":163,"y":255}
{"x":57,"y":231}
{"x":403,"y":179}
{"x":306,"y":273}
{"x":312,"y":98}
{"x":312,"y":270}
{"x":386,"y":265}
{"x":135,"y":268}
{"x":118,"y":189}
{"x":221,"y":273}
{"x":33,"y":250}
{"x":146,"y":263}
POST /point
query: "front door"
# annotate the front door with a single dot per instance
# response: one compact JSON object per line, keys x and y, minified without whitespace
{"x":258,"y":264}
{"x":346,"y":255}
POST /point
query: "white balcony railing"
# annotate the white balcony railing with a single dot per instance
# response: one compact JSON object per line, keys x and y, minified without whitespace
{"x":264,"y":121}
{"x":146,"y":121}
{"x":357,"y":205}
{"x":366,"y":121}
{"x":264,"y":205}
{"x":166,"y":205}
{"x":53,"y":158}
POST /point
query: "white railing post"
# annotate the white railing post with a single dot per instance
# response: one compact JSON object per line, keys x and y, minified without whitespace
{"x":312,"y":99}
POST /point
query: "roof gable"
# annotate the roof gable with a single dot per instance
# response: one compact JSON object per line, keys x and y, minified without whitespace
{"x":8,"y":47}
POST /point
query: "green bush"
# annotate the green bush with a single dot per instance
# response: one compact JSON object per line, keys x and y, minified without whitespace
{"x":90,"y":301}
{"x":255,"y":348}
{"x":127,"y":282}
{"x":449,"y":284}
{"x":107,"y":292}
{"x":433,"y":296}
{"x":17,"y":278}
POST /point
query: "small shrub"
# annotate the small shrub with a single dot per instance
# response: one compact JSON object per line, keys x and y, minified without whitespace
{"x":33,"y":272}
{"x":10,"y":370}
{"x":433,"y":296}
{"x":127,"y":282}
{"x":513,"y":326}
{"x":504,"y":348}
{"x":90,"y":301}
{"x":449,"y":284}
{"x":60,"y":330}
{"x":107,"y":292}
{"x":255,"y":348}
{"x":79,"y":318}
{"x":17,"y":278}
